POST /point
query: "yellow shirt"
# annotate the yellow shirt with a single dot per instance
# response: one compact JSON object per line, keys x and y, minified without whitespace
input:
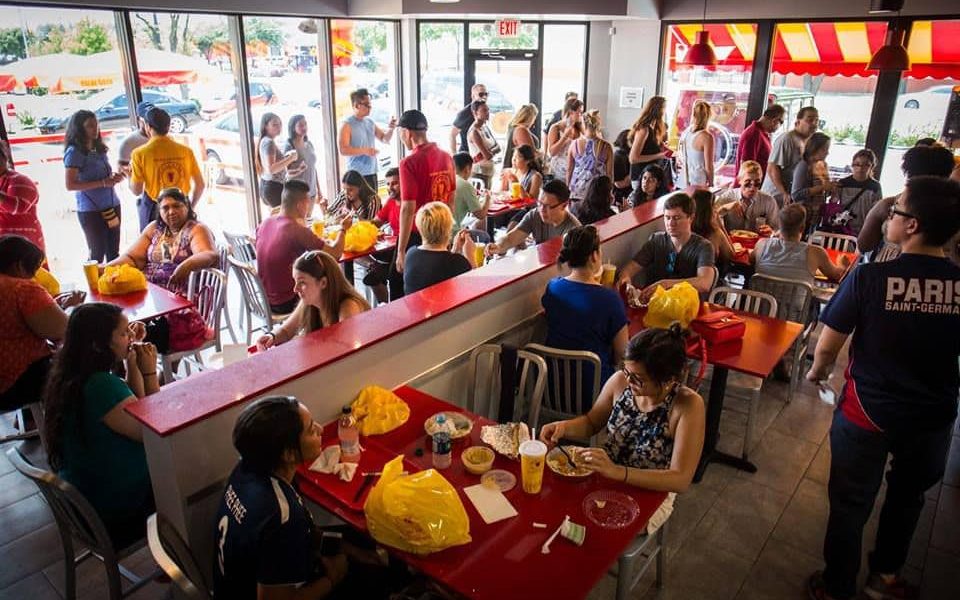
{"x":162,"y":163}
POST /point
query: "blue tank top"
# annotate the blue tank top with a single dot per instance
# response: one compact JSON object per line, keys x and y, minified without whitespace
{"x":362,"y":135}
{"x":639,"y":439}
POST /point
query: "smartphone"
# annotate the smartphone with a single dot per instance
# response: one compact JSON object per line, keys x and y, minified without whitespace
{"x":330,"y":542}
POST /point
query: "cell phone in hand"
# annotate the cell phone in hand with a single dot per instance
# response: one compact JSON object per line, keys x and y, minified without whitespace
{"x":330,"y":543}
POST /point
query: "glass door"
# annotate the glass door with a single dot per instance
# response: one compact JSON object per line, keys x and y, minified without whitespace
{"x":511,"y":82}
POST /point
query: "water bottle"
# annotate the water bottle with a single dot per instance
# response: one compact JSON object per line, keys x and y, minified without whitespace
{"x":441,"y":444}
{"x":349,"y":435}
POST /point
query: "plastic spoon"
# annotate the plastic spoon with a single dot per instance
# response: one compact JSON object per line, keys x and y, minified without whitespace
{"x":545,"y":549}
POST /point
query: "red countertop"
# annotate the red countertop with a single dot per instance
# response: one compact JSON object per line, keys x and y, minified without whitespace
{"x":144,"y":305}
{"x":187,"y":401}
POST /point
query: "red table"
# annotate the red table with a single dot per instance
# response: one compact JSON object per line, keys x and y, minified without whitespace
{"x":387,"y":242}
{"x":503,"y":560}
{"x":502,"y":205}
{"x":765,"y":342}
{"x":153,"y":302}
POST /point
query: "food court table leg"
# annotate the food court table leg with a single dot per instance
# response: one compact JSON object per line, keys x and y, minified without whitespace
{"x":718,"y":388}
{"x":348,"y":271}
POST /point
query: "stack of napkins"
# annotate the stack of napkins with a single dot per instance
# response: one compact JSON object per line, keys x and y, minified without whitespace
{"x":490,"y":502}
{"x":329,"y":462}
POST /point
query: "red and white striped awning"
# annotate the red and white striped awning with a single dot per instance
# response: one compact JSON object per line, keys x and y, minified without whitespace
{"x":826,"y":48}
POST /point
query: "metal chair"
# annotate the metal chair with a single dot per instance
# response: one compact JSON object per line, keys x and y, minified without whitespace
{"x":484,"y":367}
{"x":255,"y":303}
{"x":224,"y":265}
{"x":20,"y":429}
{"x":564,"y":397}
{"x":207,"y":290}
{"x":794,"y":299}
{"x":477,"y":183}
{"x":174,"y":557}
{"x":76,"y":518}
{"x":630,"y":569}
{"x":834,"y":241}
{"x":241,"y":246}
{"x":757,"y":303}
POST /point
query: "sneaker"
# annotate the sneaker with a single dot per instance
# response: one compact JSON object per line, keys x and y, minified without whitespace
{"x":878,"y":588}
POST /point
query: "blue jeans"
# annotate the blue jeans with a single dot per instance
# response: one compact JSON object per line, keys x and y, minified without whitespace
{"x":859,"y":458}
{"x":146,"y":210}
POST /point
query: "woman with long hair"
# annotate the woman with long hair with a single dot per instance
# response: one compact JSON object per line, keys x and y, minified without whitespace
{"x":651,"y":184}
{"x":326,"y":298}
{"x":621,"y":167}
{"x":356,"y":197}
{"x":88,"y":174}
{"x":589,"y":157}
{"x":525,"y":170}
{"x":91,"y":440}
{"x":304,"y":168}
{"x":811,"y":179}
{"x":18,"y":202}
{"x":271,"y":163}
{"x":596,"y":203}
{"x":708,"y":225}
{"x":647,"y":136}
{"x":697,"y":146}
{"x":561,"y":135}
{"x":520,"y":132}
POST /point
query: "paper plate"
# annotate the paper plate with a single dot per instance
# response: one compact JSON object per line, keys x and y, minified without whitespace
{"x":610,"y":509}
{"x":503,"y":480}
{"x":559,"y":464}
{"x":462,"y":425}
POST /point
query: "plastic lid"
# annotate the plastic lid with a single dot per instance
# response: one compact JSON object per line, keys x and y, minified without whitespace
{"x":346,"y":410}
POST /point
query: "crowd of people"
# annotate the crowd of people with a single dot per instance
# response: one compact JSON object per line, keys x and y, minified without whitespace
{"x":654,"y":423}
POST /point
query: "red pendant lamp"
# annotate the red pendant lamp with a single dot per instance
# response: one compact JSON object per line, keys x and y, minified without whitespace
{"x":701,"y":53}
{"x":892,"y":55}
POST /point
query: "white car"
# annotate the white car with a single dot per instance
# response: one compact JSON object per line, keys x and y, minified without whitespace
{"x":934,"y":99}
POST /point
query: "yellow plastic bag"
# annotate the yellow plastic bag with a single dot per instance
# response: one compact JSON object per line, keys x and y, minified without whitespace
{"x":361,"y":236}
{"x":419,"y":513}
{"x":121,"y":279}
{"x":47,"y":281}
{"x":379,"y":410}
{"x":679,"y":303}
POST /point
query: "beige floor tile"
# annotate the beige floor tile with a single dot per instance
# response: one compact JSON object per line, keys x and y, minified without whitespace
{"x":34,"y":587}
{"x":780,"y":572}
{"x":940,"y":576}
{"x":819,"y":469}
{"x":20,"y":518}
{"x":693,"y":573}
{"x":29,"y":554}
{"x":92,"y":578}
{"x":806,"y":418}
{"x":781,"y":461}
{"x":804,"y":522}
{"x":689,"y":509}
{"x":741,"y":520}
{"x":946,"y":525}
{"x":952,"y":474}
{"x":14,"y":487}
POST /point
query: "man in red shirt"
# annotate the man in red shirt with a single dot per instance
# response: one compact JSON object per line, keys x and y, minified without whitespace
{"x":755,"y":140}
{"x":426,"y":175}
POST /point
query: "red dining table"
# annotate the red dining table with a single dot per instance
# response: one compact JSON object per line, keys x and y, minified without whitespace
{"x":503,"y":559}
{"x":387,"y":242}
{"x":765,"y":342}
{"x":152,"y":302}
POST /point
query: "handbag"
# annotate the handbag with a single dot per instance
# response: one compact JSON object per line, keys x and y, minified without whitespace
{"x":719,"y":327}
{"x":836,"y":217}
{"x":187,"y":330}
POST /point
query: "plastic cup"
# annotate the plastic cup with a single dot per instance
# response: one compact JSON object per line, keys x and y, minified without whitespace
{"x":608,"y":276}
{"x":317,"y":227}
{"x":480,"y":254}
{"x":533,"y":453}
{"x":761,"y":222}
{"x":91,"y":270}
{"x":516,"y":191}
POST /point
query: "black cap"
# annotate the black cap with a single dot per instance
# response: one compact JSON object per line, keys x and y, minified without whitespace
{"x":143,"y":108}
{"x":414,"y":120}
{"x":158,"y":118}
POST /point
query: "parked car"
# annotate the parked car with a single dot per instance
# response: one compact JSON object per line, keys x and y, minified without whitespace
{"x":934,"y":99}
{"x":113,"y":110}
{"x":261,"y":94}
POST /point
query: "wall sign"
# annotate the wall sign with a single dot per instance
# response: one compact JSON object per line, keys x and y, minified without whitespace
{"x":507,"y":28}
{"x":631,"y":97}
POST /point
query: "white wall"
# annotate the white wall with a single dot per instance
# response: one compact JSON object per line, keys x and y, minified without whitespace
{"x":512,"y":8}
{"x":634,"y":52}
{"x":288,"y":7}
{"x":757,"y":9}
{"x":598,"y":71}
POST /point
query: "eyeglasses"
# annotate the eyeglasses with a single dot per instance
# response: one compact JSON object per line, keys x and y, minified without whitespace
{"x":548,"y":206}
{"x":483,"y":94}
{"x":632,"y":378}
{"x":896,"y":211}
{"x":749,"y":183}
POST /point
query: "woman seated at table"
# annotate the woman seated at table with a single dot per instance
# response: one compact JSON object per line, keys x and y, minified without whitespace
{"x":326,"y":298}
{"x":29,"y":320}
{"x":582,"y":314}
{"x":654,"y":423}
{"x":173,"y":246}
{"x":526,"y":170}
{"x":707,"y":224}
{"x":356,"y":197}
{"x":91,"y":440}
{"x":596,"y":203}
{"x":788,"y":257}
{"x":650,"y":187}
{"x":431,"y":262}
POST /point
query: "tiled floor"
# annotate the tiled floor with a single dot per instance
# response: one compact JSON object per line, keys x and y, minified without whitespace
{"x":734,"y":535}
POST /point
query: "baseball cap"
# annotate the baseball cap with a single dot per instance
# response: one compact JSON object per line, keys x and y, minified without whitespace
{"x":143,"y":108}
{"x":158,"y":118}
{"x":413,"y":119}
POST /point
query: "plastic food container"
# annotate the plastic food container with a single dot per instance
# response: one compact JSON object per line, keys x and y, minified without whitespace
{"x":477,"y":459}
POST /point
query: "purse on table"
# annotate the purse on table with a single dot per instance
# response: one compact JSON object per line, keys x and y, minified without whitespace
{"x":719,"y":327}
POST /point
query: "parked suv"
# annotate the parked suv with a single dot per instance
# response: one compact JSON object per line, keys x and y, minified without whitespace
{"x":113,"y":110}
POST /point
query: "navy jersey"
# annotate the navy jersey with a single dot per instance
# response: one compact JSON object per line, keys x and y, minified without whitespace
{"x":905,"y":319}
{"x":263,"y":535}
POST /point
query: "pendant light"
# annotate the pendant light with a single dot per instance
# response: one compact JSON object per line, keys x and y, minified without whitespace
{"x":701,"y":53}
{"x":892,"y":55}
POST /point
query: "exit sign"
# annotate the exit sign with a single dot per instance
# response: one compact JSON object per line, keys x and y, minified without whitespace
{"x":508,"y":28}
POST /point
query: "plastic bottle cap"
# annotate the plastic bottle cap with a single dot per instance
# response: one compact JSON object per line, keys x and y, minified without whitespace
{"x":441,"y":418}
{"x":346,"y":410}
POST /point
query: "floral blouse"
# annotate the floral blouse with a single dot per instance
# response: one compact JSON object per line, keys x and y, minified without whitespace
{"x":640,"y":439}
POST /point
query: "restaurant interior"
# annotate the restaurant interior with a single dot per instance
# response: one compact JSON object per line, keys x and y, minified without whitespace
{"x":751,"y":517}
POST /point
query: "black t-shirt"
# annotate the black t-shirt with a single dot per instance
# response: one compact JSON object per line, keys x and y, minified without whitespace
{"x":661,"y":260}
{"x":463,"y":121}
{"x":263,"y":535}
{"x":424,"y":268}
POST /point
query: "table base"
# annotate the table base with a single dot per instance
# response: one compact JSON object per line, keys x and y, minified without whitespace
{"x":718,"y":389}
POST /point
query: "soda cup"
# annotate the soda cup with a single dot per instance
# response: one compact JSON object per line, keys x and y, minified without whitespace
{"x":91,"y":270}
{"x":317,"y":228}
{"x":516,"y":191}
{"x":533,"y":453}
{"x":479,"y":254}
{"x":608,"y":276}
{"x":761,"y":223}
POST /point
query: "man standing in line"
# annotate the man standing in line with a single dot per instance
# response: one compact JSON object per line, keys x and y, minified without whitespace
{"x":137,"y":138}
{"x":559,"y":114}
{"x":464,"y":119}
{"x":900,"y":396}
{"x":754,"y":142}
{"x":358,"y":135}
{"x":426,"y":175}
{"x":787,"y":152}
{"x":162,"y":163}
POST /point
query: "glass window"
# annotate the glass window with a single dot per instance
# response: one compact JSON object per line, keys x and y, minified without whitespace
{"x":441,"y":76}
{"x":483,"y":36}
{"x":924,"y":94}
{"x":284,"y":79}
{"x":58,"y":61}
{"x":564,"y":56}
{"x":184,"y":67}
{"x":726,"y":87}
{"x":364,"y":56}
